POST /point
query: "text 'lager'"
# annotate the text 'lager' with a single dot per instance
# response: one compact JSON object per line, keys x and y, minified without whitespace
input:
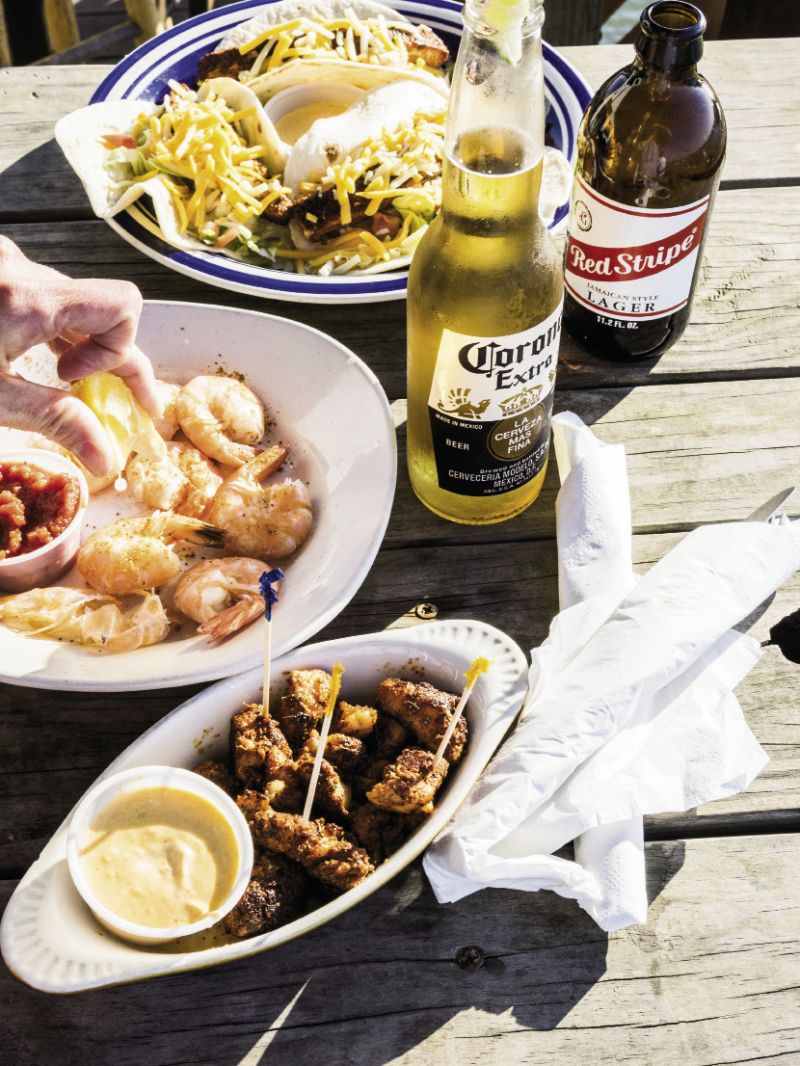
{"x":650,"y":152}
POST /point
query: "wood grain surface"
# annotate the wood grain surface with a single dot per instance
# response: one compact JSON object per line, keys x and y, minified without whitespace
{"x":711,"y":979}
{"x":755,"y":81}
{"x":514,"y":588}
{"x":711,"y":431}
{"x":743,"y":325}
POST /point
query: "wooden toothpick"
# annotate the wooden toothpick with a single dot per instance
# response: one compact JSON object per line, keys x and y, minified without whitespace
{"x":480,"y":666}
{"x":269,"y":582}
{"x":336,"y":684}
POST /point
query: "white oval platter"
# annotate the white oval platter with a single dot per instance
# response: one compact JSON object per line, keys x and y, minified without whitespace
{"x":330,"y":408}
{"x":49,"y":938}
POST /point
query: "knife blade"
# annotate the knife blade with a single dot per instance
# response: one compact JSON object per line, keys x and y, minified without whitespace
{"x":771,"y":507}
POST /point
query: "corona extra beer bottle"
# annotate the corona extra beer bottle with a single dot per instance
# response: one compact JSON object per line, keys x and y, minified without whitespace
{"x":650,"y":153}
{"x":485,"y":288}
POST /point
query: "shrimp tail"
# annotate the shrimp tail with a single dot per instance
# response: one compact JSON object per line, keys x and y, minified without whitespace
{"x":182,"y":527}
{"x":232,"y":619}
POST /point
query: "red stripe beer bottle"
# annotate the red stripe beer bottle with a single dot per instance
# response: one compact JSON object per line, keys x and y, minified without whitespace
{"x":650,"y":152}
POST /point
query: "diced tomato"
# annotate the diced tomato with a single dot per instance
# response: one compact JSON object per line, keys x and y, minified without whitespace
{"x":118,"y":140}
{"x":385,"y":225}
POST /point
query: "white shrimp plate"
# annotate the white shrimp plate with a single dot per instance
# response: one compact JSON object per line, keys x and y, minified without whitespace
{"x":328,"y":407}
{"x":49,"y":937}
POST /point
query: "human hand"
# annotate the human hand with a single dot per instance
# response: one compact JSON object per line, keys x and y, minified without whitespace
{"x":90,"y":325}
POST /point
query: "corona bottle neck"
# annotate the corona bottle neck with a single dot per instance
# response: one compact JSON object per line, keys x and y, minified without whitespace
{"x":495,"y":123}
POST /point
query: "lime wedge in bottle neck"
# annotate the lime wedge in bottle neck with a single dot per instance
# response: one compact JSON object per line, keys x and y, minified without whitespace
{"x":506,"y":18}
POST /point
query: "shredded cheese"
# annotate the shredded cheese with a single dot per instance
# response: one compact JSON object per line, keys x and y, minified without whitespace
{"x":219,"y":178}
{"x":370,"y":40}
{"x":220,"y":189}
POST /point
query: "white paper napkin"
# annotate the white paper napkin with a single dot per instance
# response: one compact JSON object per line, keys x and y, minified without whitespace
{"x":630,"y":710}
{"x":593,"y":527}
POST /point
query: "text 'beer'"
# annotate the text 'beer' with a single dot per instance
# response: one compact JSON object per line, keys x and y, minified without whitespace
{"x":650,"y":152}
{"x":485,"y":290}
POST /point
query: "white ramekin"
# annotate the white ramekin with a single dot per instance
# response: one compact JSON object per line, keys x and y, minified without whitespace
{"x":140,"y":777}
{"x":288,"y":100}
{"x":48,"y":563}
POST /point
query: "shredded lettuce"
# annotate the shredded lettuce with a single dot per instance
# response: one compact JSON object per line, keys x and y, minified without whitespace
{"x":420,"y":204}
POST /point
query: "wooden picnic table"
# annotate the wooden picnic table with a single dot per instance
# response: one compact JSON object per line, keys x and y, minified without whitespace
{"x":711,"y":431}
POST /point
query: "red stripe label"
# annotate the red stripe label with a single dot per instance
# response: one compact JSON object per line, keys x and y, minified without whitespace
{"x":632,"y":263}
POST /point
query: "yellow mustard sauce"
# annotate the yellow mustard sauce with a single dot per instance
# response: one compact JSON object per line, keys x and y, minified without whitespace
{"x":160,"y":857}
{"x":291,"y":126}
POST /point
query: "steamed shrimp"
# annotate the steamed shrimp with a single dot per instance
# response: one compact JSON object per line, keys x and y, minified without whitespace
{"x":266,"y":522}
{"x":167,"y":424}
{"x":222,"y":594}
{"x":183,"y":481}
{"x":88,"y":618}
{"x":138,"y":553}
{"x":221,"y":417}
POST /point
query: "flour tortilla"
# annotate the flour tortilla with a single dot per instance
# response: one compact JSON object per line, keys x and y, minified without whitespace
{"x":319,"y":10}
{"x":256,"y":128}
{"x":329,"y":140}
{"x":80,"y":135}
{"x":301,"y":71}
{"x":362,"y":75}
{"x":556,"y":183}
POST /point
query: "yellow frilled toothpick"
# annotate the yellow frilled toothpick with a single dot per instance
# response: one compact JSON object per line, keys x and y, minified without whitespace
{"x":336,"y":684}
{"x":480,"y":666}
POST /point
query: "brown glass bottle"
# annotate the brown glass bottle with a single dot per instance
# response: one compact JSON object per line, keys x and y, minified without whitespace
{"x":650,"y":152}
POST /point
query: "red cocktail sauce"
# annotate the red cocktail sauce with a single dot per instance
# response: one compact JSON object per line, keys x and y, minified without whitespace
{"x":35,"y":507}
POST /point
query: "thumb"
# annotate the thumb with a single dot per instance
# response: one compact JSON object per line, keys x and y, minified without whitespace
{"x":59,"y":417}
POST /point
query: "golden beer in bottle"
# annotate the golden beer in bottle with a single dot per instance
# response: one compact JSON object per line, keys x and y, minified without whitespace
{"x":485,"y":289}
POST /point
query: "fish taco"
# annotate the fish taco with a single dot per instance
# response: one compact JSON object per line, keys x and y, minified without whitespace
{"x":345,"y":183}
{"x":359,"y":41}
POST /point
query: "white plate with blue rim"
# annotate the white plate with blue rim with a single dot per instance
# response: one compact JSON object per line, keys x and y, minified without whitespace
{"x":48,"y":936}
{"x":145,"y":73}
{"x":328,"y":407}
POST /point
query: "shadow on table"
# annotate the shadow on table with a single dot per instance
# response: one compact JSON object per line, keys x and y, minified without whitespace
{"x":365,"y":989}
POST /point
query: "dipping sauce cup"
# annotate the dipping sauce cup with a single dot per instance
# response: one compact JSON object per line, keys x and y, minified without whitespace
{"x":45,"y":565}
{"x":128,"y":842}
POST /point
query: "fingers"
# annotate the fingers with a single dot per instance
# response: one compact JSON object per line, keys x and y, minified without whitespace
{"x":66,"y":340}
{"x":90,"y":324}
{"x":87,"y":357}
{"x":59,"y":417}
{"x":137,"y":371}
{"x":102,"y":318}
{"x":38,"y":305}
{"x":108,"y":311}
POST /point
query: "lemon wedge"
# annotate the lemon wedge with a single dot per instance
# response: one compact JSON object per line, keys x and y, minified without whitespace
{"x":506,"y":18}
{"x":128,"y":427}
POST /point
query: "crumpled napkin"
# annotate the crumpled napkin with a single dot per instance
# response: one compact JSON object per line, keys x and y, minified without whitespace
{"x":630,"y":709}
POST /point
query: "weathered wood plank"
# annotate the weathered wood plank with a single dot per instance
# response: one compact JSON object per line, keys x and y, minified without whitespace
{"x":704,"y":452}
{"x":712,"y":978}
{"x":514,"y":588}
{"x":744,"y":324}
{"x":573,"y":23}
{"x":34,"y":176}
{"x":38,"y":183}
{"x":759,"y":94}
